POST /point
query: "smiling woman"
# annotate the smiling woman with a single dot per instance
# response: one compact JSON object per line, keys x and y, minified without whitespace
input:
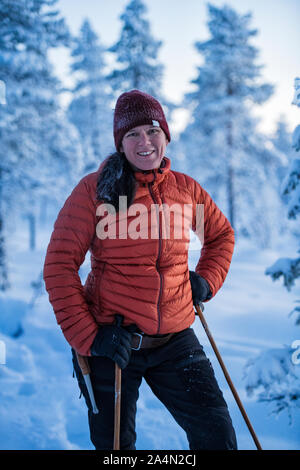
{"x":141,"y":275}
{"x":144,"y":147}
{"x":141,"y":131}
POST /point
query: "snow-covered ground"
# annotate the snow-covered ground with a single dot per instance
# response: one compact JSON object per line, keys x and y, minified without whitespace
{"x":39,"y":398}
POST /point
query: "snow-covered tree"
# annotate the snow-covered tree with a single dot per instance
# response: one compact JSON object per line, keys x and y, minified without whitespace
{"x":289,"y":269}
{"x":274,"y":376}
{"x":91,"y":109}
{"x":38,"y":150}
{"x":282,"y":140}
{"x":296,"y":101}
{"x":136,"y":51}
{"x":221,"y":142}
{"x":136,"y":54}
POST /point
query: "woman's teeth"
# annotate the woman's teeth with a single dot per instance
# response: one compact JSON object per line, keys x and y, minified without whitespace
{"x":145,"y":154}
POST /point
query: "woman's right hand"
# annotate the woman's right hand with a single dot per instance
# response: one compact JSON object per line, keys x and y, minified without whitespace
{"x":114,"y":342}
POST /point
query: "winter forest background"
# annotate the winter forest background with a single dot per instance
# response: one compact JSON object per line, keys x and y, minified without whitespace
{"x":54,"y":131}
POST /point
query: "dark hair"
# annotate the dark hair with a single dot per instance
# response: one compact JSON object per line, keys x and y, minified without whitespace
{"x":116,"y":179}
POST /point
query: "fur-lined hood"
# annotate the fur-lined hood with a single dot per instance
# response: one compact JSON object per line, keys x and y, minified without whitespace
{"x":117,"y":178}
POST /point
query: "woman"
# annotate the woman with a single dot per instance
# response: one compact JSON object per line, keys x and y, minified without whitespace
{"x":139,"y":270}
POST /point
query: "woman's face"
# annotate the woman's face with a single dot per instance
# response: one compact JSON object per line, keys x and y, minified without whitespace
{"x":144,"y":147}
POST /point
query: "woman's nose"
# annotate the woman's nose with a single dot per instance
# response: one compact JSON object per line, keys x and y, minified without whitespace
{"x":144,"y":138}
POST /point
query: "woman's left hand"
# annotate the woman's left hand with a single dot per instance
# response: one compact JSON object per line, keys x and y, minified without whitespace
{"x":200,"y":288}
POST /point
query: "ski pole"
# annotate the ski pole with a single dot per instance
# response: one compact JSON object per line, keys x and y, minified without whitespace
{"x":199,"y":309}
{"x":85,"y":369}
{"x":118,"y":379}
{"x":117,"y":407}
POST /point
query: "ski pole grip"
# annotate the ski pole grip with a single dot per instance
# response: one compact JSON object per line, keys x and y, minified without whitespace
{"x":83,"y":364}
{"x":200,"y":306}
{"x":119,"y":319}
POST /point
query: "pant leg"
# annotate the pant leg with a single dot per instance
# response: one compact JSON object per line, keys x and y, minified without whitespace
{"x":184,"y":381}
{"x":103,"y":382}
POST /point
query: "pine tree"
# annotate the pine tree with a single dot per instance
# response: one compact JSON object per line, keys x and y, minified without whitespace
{"x":282,"y":141}
{"x":289,"y":269}
{"x":136,"y":51}
{"x":221,"y":142}
{"x":38,"y":149}
{"x":90,"y":110}
{"x":282,"y":138}
{"x":275,"y":374}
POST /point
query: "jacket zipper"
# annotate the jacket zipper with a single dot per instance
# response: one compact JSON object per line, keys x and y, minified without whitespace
{"x":158,"y":258}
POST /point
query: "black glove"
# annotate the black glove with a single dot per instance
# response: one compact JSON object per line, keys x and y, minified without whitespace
{"x":200,"y":288}
{"x":114,"y":342}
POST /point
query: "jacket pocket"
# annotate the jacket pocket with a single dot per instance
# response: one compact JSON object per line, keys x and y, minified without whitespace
{"x":92,"y":290}
{"x":97,"y":290}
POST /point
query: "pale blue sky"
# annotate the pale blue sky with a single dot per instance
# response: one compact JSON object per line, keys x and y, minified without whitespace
{"x":180,"y":23}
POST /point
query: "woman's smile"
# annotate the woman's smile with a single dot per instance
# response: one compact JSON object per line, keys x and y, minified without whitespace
{"x":144,"y":147}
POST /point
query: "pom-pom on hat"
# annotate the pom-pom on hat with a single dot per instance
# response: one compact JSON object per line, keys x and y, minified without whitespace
{"x":136,"y":108}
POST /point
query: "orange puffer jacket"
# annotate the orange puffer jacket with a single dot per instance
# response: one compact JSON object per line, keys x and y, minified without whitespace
{"x":139,"y":274}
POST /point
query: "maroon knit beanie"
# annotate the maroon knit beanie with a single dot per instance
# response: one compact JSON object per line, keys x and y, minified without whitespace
{"x":135,"y":108}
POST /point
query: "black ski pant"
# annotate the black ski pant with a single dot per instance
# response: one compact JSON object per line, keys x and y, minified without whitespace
{"x":180,"y":375}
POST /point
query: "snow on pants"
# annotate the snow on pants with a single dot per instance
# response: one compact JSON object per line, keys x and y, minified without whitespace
{"x":180,"y":375}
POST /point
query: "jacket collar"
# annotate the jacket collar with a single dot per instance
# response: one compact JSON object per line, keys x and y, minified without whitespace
{"x":156,"y":175}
